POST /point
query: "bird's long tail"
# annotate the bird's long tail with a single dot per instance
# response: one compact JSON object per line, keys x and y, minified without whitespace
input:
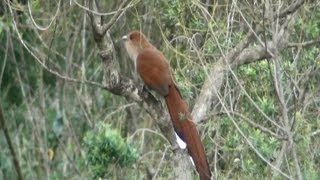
{"x":187,"y":131}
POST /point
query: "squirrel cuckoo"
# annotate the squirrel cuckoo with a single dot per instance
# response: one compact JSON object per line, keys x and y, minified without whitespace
{"x":154,"y":69}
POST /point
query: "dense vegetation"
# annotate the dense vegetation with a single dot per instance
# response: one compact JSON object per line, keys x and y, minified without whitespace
{"x":60,"y":122}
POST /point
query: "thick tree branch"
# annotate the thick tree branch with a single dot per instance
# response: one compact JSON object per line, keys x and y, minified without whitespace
{"x":99,"y":26}
{"x":254,"y":54}
{"x":291,"y":9}
{"x":241,"y":54}
{"x":209,"y":92}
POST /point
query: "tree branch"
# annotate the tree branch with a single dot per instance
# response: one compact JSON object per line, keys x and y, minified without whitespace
{"x":284,"y":112}
{"x":291,"y":9}
{"x":262,"y":128}
{"x":116,"y":16}
{"x":241,"y":54}
{"x":306,"y":43}
{"x":4,"y":128}
{"x":209,"y":92}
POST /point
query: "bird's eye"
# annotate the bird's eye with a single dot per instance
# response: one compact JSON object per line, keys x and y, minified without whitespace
{"x":131,"y":37}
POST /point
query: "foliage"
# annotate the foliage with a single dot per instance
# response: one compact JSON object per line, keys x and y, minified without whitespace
{"x":80,"y":124}
{"x":106,"y":150}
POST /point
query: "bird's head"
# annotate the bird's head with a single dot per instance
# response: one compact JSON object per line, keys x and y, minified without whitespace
{"x":135,"y":42}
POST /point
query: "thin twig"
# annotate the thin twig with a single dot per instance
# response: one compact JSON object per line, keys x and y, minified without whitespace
{"x":291,"y":9}
{"x":118,"y":14}
{"x":42,"y":62}
{"x":256,"y":151}
{"x":161,"y":162}
{"x":99,"y":28}
{"x":10,"y":144}
{"x":303,"y":44}
{"x":131,"y":4}
{"x":262,"y":128}
{"x":284,"y":113}
{"x":51,"y":21}
{"x":5,"y":59}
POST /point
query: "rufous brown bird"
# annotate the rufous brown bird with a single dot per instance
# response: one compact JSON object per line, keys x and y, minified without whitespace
{"x":154,"y":70}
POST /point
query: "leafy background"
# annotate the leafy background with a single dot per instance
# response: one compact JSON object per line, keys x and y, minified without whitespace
{"x":66,"y":130}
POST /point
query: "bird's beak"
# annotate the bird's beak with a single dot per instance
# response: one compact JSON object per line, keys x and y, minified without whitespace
{"x":125,"y":37}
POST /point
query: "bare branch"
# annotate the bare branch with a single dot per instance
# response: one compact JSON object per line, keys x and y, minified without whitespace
{"x":306,"y":43}
{"x":262,"y":128}
{"x":100,"y":28}
{"x":256,"y":151}
{"x":131,"y":4}
{"x":209,"y":91}
{"x":239,"y":55}
{"x":94,"y":22}
{"x":40,"y":58}
{"x":4,"y":59}
{"x":253,"y":54}
{"x":291,"y":9}
{"x":51,"y":21}
{"x":5,"y":130}
{"x":116,"y":16}
{"x":284,"y":112}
